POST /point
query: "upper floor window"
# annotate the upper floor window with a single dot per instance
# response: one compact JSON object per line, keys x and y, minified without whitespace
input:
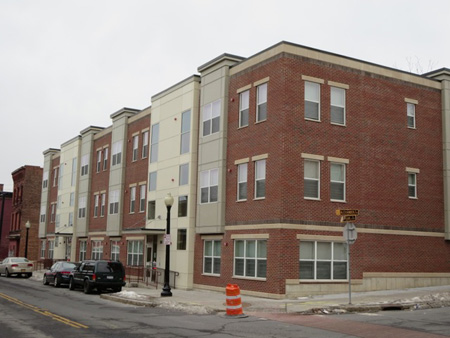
{"x":260,"y":179}
{"x":55,"y":177}
{"x":135,"y":147}
{"x":185,"y":132}
{"x":73,"y":179}
{"x":337,"y":105}
{"x":82,"y":207}
{"x":105,"y":158}
{"x":43,"y":211}
{"x":132,"y":199}
{"x":114,"y":202}
{"x":211,"y":118}
{"x":412,"y":185}
{"x":261,"y":108}
{"x":99,"y":160}
{"x":242,"y":182}
{"x":312,"y":101}
{"x":96,"y":204}
{"x":244,"y":103}
{"x":142,"y":197}
{"x":209,"y":185}
{"x":411,"y":113}
{"x":45,"y":180}
{"x":145,"y":144}
{"x":311,"y":179}
{"x":184,"y":174}
{"x":116,"y":153}
{"x":154,"y":143}
{"x":103,"y":206}
{"x":152,"y":181}
{"x":84,"y":165}
{"x":337,"y":184}
{"x":182,"y":206}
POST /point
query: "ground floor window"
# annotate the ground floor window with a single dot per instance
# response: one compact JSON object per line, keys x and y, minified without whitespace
{"x":97,"y":250}
{"x":135,"y":255}
{"x":323,"y":260}
{"x":115,"y":250}
{"x":211,"y":257}
{"x":43,"y":248}
{"x":51,"y":246}
{"x":250,"y":258}
{"x":83,"y":245}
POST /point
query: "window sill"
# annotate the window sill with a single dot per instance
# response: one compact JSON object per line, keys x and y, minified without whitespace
{"x":338,"y":124}
{"x":259,"y":198}
{"x":239,"y":201}
{"x":308,"y":281}
{"x":312,"y":199}
{"x":250,"y":278}
{"x":258,"y":122}
{"x":414,"y":128}
{"x":413,"y":198}
{"x":242,"y":127}
{"x":210,"y":275}
{"x":339,"y":201}
{"x":312,"y":120}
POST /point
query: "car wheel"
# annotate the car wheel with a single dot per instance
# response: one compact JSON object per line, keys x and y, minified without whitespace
{"x":117,"y":289}
{"x":71,"y":284}
{"x":57,"y":282}
{"x":44,"y":280}
{"x":7,"y":273}
{"x":87,"y":287}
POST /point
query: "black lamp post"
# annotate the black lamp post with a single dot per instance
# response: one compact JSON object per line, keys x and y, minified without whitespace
{"x":27,"y":225}
{"x":166,"y":289}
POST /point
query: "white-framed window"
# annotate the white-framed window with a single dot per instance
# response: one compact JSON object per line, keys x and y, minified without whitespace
{"x":55,"y":177}
{"x":337,"y":181}
{"x":132,"y":199}
{"x":60,"y":176}
{"x":115,"y":250}
{"x":97,"y":250}
{"x":184,"y":174}
{"x":145,"y":144}
{"x":51,"y":248}
{"x":311,"y":179}
{"x":185,"y":132}
{"x":212,"y":257}
{"x":73,"y":179}
{"x":43,"y":212}
{"x":135,"y":253}
{"x":211,"y":117}
{"x":154,"y":141}
{"x":151,"y":210}
{"x":105,"y":158}
{"x":84,"y":165}
{"x":152,"y":181}
{"x":209,"y":185}
{"x":99,"y":160}
{"x":135,"y":147}
{"x":72,"y":199}
{"x":142,"y":197}
{"x":114,"y":202}
{"x":412,"y":185}
{"x":250,"y":258}
{"x":312,"y":101}
{"x":96,"y":205}
{"x":261,"y":102}
{"x":53,"y":213}
{"x":71,"y":219}
{"x":103,"y":206}
{"x":244,"y":104}
{"x":411,"y":114}
{"x":45,"y":180}
{"x":182,"y":206}
{"x":242,"y":182}
{"x":337,"y":105}
{"x":323,"y":260}
{"x":83,"y":246}
{"x":82,"y":207}
{"x":116,"y":153}
{"x":260,"y":179}
{"x":43,"y":248}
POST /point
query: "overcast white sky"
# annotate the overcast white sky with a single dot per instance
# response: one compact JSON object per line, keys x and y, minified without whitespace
{"x":67,"y":65}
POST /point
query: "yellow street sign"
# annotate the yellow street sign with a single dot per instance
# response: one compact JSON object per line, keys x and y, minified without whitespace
{"x":348,"y":218}
{"x":347,"y":212}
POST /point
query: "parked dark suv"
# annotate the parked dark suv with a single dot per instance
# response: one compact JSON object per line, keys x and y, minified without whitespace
{"x":100,"y":275}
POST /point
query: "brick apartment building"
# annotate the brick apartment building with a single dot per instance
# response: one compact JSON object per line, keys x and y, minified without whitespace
{"x":258,"y":154}
{"x":5,"y":220}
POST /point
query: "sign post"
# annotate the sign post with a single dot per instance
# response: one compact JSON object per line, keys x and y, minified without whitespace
{"x":350,"y":236}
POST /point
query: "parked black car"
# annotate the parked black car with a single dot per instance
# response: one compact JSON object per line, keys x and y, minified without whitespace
{"x":100,"y":275}
{"x":59,"y":273}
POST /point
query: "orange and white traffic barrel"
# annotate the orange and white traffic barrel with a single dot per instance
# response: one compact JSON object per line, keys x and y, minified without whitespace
{"x":234,"y":305}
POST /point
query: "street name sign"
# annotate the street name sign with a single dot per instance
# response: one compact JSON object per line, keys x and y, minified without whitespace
{"x":347,"y":212}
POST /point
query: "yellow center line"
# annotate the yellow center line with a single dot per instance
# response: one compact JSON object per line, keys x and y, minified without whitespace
{"x":44,"y":312}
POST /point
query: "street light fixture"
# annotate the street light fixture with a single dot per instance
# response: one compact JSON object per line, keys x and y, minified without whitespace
{"x":28,"y":226}
{"x":168,"y":200}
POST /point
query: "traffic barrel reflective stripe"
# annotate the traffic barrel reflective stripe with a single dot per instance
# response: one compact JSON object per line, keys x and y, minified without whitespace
{"x":233,"y":296}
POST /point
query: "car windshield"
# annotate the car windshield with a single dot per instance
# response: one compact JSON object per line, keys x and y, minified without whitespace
{"x":19,"y":260}
{"x":68,"y":266}
{"x":109,"y":267}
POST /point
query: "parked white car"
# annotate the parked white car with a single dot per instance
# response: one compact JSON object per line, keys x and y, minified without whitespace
{"x":16,"y":266}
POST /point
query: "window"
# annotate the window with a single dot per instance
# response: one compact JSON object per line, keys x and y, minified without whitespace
{"x":311,"y":179}
{"x":244,"y":103}
{"x":55,"y":177}
{"x":45,"y":180}
{"x":185,"y":132}
{"x":151,"y":209}
{"x":97,"y":250}
{"x":51,"y":247}
{"x":145,"y":144}
{"x":260,"y":179}
{"x":43,"y":248}
{"x":42,"y":218}
{"x":154,"y":143}
{"x":152,"y":181}
{"x":114,"y":202}
{"x":84,"y":165}
{"x":74,"y":172}
{"x":250,"y":258}
{"x":261,"y":108}
{"x":102,"y":209}
{"x":182,"y":206}
{"x":184,"y":174}
{"x":242,"y":182}
{"x":411,"y":113}
{"x":412,"y":185}
{"x":312,"y":101}
{"x":135,"y":147}
{"x":53,"y":213}
{"x":211,"y":257}
{"x":105,"y":158}
{"x":211,"y":118}
{"x":209,"y":185}
{"x":337,"y":105}
{"x":337,"y":184}
{"x":71,"y":219}
{"x":83,"y":245}
{"x":60,"y":176}
{"x":116,"y":153}
{"x":132,"y":199}
{"x":99,"y":160}
{"x":323,"y":260}
{"x":72,"y":199}
{"x":96,"y":205}
{"x":142,"y":197}
{"x":82,"y":207}
{"x":115,"y":251}
{"x":135,"y":253}
{"x":181,"y":239}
